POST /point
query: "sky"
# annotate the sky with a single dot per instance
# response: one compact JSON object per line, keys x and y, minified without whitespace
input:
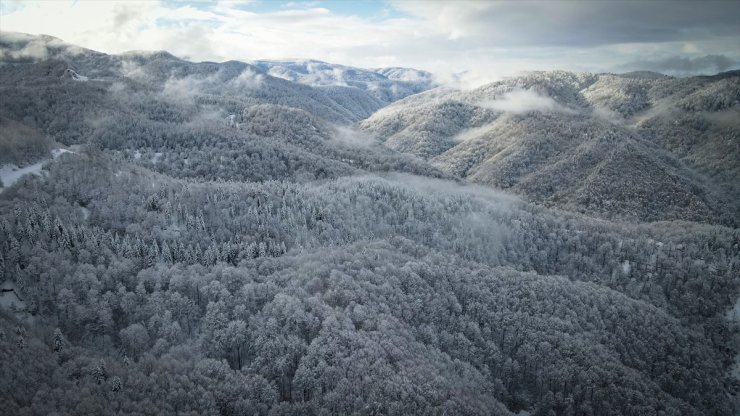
{"x":477,"y":41}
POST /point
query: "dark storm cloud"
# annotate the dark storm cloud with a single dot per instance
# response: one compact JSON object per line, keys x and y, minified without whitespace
{"x":586,"y":23}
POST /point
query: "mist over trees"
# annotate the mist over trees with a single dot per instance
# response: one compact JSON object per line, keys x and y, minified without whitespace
{"x":566,"y":140}
{"x":222,"y":241}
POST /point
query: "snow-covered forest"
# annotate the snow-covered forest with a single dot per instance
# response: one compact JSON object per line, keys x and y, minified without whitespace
{"x":276,"y":238}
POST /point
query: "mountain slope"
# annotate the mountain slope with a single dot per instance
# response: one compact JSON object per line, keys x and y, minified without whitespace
{"x":385,"y":84}
{"x":637,"y":146}
{"x":250,"y":84}
{"x":224,"y":242}
{"x":390,"y":281}
{"x":188,"y":114}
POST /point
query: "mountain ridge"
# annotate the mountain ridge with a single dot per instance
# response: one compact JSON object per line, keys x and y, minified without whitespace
{"x":208,"y":239}
{"x":550,"y":106}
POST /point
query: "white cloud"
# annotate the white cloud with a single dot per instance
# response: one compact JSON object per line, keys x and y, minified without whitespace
{"x":33,"y":50}
{"x":132,"y":70}
{"x":248,"y":79}
{"x":182,"y":89}
{"x":487,"y":40}
{"x":353,"y":137}
{"x":608,"y":115}
{"x":471,"y":133}
{"x":525,"y":101}
{"x":186,"y":88}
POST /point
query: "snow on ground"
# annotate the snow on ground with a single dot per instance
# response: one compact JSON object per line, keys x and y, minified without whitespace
{"x":9,"y":299}
{"x":58,"y":152}
{"x":231,"y":121}
{"x":85,"y":213}
{"x":626,"y":267}
{"x":76,"y":76}
{"x":11,"y":173}
{"x":157,"y":157}
{"x":9,"y":296}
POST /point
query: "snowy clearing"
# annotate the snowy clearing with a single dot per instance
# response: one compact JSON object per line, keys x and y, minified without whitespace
{"x":9,"y":297}
{"x":85,"y":213}
{"x":77,"y":77}
{"x":11,"y":173}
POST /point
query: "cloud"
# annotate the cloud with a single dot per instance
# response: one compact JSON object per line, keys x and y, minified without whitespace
{"x":248,"y":79}
{"x":123,"y":15}
{"x":682,"y":65}
{"x":313,"y":73}
{"x":486,"y":40}
{"x":725,"y":119}
{"x":579,"y":23}
{"x":132,"y":69}
{"x":21,"y":46}
{"x":499,"y":200}
{"x":35,"y":50}
{"x":471,"y":133}
{"x":185,"y":89}
{"x":525,"y":101}
{"x":352,"y":137}
{"x":469,"y":79}
{"x":182,"y":89}
{"x":607,"y":114}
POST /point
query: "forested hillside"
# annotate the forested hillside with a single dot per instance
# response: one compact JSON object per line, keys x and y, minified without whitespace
{"x":216,"y":240}
{"x":375,"y":87}
{"x":638,"y":146}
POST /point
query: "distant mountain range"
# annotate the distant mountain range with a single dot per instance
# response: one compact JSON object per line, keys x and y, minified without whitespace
{"x":384,"y":84}
{"x":155,"y":102}
{"x":637,"y":146}
{"x":342,"y":93}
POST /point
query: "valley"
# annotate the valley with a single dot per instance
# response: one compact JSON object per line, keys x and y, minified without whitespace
{"x":298,"y":237}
